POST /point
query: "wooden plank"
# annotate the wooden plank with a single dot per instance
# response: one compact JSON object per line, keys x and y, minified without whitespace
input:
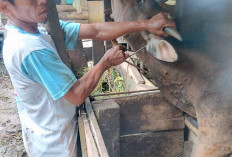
{"x":96,"y":130}
{"x":84,"y":4}
{"x":77,"y":21}
{"x":163,"y":124}
{"x":153,"y":144}
{"x":133,"y":72}
{"x":130,"y":83}
{"x":81,"y":121}
{"x":80,"y":5}
{"x":62,"y":2}
{"x":77,"y":5}
{"x":96,"y":11}
{"x":90,"y":141}
{"x":73,"y":15}
{"x":107,"y":114}
{"x":145,"y":87}
{"x":65,"y":8}
{"x":148,"y":112}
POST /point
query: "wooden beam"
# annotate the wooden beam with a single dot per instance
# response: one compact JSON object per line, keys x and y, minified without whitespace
{"x":80,"y":5}
{"x":96,"y":14}
{"x":74,"y":15}
{"x":77,"y":21}
{"x":132,"y":71}
{"x":153,"y":144}
{"x":65,"y":8}
{"x":148,"y":113}
{"x":96,"y":11}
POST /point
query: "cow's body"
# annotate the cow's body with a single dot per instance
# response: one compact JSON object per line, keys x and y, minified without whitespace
{"x":200,"y":83}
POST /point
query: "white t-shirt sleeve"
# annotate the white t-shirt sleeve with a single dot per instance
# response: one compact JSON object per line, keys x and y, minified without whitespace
{"x":44,"y":67}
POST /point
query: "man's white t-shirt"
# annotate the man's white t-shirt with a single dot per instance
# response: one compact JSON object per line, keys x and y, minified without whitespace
{"x":41,"y":79}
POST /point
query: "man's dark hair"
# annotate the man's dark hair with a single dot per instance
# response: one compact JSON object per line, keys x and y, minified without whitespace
{"x":11,"y":1}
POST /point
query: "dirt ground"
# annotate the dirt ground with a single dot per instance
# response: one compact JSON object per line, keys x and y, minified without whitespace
{"x":11,"y":144}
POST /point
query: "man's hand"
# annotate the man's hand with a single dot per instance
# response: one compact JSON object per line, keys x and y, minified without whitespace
{"x":158,"y":22}
{"x":86,"y":84}
{"x":114,"y":56}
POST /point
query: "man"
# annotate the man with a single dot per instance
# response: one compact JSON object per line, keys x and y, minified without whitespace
{"x":46,"y":88}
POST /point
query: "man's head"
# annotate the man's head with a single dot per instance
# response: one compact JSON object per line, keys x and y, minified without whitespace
{"x":27,"y":11}
{"x":11,"y":1}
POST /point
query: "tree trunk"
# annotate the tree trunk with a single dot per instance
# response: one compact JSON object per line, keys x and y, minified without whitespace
{"x":56,"y":33}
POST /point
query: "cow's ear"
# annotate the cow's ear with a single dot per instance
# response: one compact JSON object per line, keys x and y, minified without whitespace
{"x":161,"y":49}
{"x":165,"y":7}
{"x":4,"y":7}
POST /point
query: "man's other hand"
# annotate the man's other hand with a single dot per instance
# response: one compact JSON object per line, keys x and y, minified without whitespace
{"x":114,"y":56}
{"x":158,"y":22}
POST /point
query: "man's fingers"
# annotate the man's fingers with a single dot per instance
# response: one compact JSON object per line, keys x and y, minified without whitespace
{"x":164,"y":34}
{"x":116,"y":47}
{"x":170,"y":23}
{"x":119,"y":47}
{"x":166,"y":14}
{"x":120,"y":51}
{"x":127,"y":55}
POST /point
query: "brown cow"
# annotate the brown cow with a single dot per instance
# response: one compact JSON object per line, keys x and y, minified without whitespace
{"x":200,"y":82}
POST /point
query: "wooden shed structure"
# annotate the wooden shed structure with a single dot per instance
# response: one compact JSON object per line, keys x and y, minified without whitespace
{"x":138,"y":125}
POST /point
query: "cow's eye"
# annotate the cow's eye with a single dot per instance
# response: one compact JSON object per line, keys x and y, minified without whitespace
{"x":140,"y":2}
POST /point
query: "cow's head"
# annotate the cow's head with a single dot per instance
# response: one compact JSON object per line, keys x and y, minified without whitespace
{"x":130,"y":10}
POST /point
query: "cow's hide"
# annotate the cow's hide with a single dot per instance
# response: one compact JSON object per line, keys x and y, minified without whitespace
{"x":202,"y":76}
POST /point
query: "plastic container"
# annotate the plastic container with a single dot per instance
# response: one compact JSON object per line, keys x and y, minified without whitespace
{"x":68,"y":1}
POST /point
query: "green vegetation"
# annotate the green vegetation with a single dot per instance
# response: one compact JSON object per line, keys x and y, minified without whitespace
{"x":110,"y":82}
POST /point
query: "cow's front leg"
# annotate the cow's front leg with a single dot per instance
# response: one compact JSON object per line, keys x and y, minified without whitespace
{"x":215,"y":129}
{"x":205,"y":148}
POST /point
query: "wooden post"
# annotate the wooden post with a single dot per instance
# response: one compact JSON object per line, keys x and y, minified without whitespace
{"x":107,"y":114}
{"x":98,"y":51}
{"x":78,"y":57}
{"x":96,"y":14}
{"x":55,"y":31}
{"x":108,"y":12}
{"x":96,"y":130}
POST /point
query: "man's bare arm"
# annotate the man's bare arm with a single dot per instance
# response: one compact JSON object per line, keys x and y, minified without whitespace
{"x":85,"y":85}
{"x":113,"y":30}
